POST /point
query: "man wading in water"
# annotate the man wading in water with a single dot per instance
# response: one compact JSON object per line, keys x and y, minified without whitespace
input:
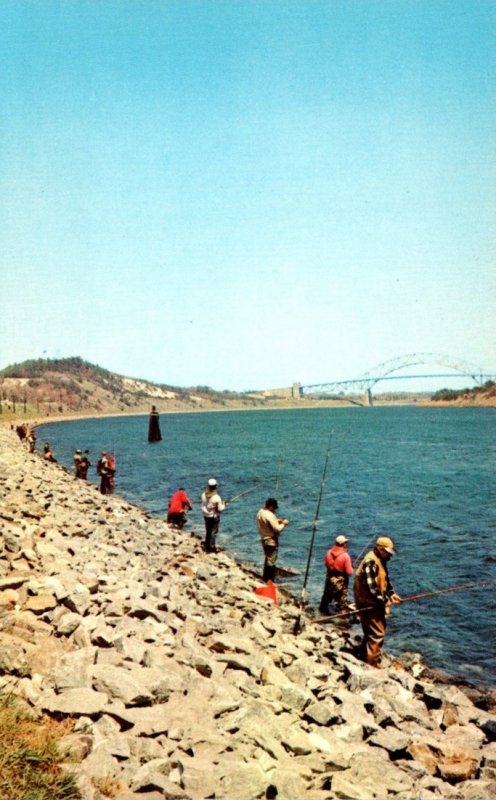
{"x":373,"y":595}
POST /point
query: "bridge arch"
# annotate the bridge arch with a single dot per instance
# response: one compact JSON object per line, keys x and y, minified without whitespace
{"x":381,"y":371}
{"x":386,"y":370}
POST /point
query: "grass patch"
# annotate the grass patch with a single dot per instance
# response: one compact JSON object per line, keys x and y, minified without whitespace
{"x":30,"y":760}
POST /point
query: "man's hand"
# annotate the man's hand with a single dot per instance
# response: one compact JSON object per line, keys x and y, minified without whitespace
{"x":395,"y":599}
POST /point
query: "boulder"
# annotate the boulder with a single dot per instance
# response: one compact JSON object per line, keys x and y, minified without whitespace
{"x":74,"y":702}
{"x":118,"y":683}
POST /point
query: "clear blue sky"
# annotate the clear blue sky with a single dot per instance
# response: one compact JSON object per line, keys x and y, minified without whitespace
{"x":247,"y":193}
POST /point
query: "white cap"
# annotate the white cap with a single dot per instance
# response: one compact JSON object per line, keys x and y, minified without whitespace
{"x":341,"y":540}
{"x":212,"y":482}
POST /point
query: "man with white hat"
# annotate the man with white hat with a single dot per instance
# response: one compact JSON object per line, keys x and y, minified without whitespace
{"x":339,"y":569}
{"x":212,"y":506}
{"x":373,"y":595}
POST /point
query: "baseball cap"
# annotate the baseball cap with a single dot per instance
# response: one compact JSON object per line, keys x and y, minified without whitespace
{"x":212,"y":482}
{"x":341,"y":539}
{"x":386,"y":543}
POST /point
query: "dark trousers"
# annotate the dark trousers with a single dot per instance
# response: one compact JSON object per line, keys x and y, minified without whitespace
{"x":211,"y":531}
{"x":270,"y":548}
{"x":177,"y":518}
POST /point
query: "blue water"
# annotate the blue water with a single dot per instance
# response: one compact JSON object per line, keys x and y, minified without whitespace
{"x":424,"y":476}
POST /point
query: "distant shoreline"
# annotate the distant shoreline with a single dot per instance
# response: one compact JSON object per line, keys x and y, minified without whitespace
{"x":112,"y":414}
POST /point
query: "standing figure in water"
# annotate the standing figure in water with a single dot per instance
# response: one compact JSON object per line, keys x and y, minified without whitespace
{"x":154,"y":434}
{"x":102,"y":469}
{"x":84,"y":465}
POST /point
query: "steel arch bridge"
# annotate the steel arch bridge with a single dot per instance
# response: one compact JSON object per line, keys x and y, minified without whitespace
{"x":384,"y":372}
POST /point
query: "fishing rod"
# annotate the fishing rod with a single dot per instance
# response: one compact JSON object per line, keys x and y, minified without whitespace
{"x":312,"y":540}
{"x":412,"y":597}
{"x":242,"y":494}
{"x":367,"y":545}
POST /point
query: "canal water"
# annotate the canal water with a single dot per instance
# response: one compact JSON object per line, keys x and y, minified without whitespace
{"x":423,"y":476}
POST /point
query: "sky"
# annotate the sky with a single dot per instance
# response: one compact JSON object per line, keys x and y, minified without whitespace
{"x":247,"y":193}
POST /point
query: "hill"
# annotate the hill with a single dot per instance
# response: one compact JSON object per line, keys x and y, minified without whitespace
{"x":72,"y":386}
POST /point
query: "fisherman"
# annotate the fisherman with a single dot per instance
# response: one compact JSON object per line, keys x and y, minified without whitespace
{"x":84,"y":465}
{"x":47,"y":453}
{"x":154,"y":434}
{"x":374,"y":594}
{"x":270,"y":528}
{"x":111,"y":472}
{"x":31,"y":440}
{"x":21,"y":432}
{"x":176,"y":512}
{"x":339,"y":569}
{"x":212,"y":507}
{"x":103,"y":471}
{"x":77,"y":462}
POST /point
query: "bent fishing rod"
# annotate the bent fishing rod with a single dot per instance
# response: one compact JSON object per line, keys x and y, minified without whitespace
{"x":246,"y":491}
{"x":412,"y":597}
{"x":312,"y":540}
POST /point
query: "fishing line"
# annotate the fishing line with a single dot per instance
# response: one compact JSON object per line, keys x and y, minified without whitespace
{"x":246,"y":491}
{"x":412,"y":597}
{"x":312,"y":540}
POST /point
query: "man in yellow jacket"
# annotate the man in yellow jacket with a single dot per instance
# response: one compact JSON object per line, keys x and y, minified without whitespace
{"x":373,"y":594}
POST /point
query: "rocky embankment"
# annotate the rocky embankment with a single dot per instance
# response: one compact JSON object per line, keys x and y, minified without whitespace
{"x":185,"y":684}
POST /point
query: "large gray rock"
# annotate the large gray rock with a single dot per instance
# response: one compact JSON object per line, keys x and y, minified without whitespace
{"x":119,"y":683}
{"x":41,"y":603}
{"x":74,"y":702}
{"x":68,"y":623}
{"x":392,"y":740}
{"x":153,"y":776}
{"x":371,"y":778}
{"x":243,"y":782}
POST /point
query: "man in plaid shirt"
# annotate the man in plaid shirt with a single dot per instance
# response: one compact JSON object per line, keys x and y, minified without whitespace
{"x":373,"y":595}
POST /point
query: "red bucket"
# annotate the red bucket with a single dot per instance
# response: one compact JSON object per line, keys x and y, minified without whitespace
{"x":269,"y":591}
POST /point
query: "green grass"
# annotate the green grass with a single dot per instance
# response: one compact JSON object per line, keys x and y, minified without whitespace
{"x":30,"y":759}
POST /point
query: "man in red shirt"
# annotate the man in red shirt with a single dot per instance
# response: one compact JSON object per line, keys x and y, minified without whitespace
{"x":176,"y":513}
{"x":339,"y":569}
